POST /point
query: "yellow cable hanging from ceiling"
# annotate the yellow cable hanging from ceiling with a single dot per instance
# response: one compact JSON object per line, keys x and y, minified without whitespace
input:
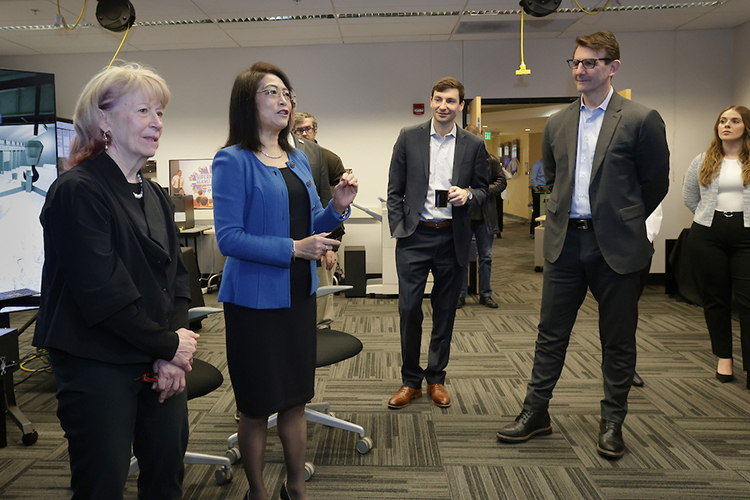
{"x":591,"y":13}
{"x":118,"y":48}
{"x":62,"y":19}
{"x":522,"y":68}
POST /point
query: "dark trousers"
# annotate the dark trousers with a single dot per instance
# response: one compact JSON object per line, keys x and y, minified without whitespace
{"x":499,"y":214}
{"x":579,"y":267}
{"x":103,"y":410}
{"x":427,"y":249}
{"x":721,"y":257}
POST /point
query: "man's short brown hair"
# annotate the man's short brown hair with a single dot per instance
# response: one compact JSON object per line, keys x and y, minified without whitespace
{"x":449,"y":83}
{"x":601,"y":40}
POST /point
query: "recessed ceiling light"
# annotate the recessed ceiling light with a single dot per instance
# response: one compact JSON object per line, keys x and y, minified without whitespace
{"x":527,"y":129}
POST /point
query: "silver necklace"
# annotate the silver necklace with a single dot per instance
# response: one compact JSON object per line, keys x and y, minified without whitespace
{"x":138,"y":196}
{"x":272,"y":157}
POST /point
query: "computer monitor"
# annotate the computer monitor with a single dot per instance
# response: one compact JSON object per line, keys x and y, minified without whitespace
{"x":28,"y":167}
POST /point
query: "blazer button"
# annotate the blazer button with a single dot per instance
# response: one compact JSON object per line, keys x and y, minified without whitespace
{"x":291,"y":164}
{"x":309,"y":183}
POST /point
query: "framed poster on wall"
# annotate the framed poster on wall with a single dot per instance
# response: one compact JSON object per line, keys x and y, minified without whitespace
{"x":192,"y":177}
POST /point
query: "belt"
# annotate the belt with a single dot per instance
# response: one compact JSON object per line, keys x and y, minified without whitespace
{"x":436,"y":224}
{"x":580,"y":223}
{"x":729,"y":214}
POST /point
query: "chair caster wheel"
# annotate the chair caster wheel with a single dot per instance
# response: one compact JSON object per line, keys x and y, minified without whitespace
{"x":538,"y":269}
{"x":233,"y":454}
{"x":30,"y":438}
{"x":223,"y":475}
{"x":309,"y":470}
{"x":364,"y":445}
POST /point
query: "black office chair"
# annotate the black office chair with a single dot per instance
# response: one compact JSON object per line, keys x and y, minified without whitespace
{"x":204,"y":378}
{"x":333,"y":347}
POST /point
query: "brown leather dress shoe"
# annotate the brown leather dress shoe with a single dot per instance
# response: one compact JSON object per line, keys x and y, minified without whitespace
{"x":439,"y":395}
{"x":403,"y":397}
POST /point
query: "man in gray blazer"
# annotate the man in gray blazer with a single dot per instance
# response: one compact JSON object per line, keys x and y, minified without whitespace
{"x":438,"y":173}
{"x":607,"y":161}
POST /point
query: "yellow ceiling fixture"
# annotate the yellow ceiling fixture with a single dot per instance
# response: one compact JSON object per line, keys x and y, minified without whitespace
{"x":522,"y":68}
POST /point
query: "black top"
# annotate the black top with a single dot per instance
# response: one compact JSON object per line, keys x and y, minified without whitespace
{"x":114,"y":287}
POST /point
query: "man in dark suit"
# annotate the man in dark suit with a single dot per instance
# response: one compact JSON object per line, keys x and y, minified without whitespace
{"x":438,"y":173}
{"x":607,"y":161}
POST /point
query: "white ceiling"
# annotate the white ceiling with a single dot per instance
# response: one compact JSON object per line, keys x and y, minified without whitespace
{"x":227,"y":23}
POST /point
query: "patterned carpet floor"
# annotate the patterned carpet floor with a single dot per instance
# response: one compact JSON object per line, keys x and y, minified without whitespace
{"x":688,"y":435}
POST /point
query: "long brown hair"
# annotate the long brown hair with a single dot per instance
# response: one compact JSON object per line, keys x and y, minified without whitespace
{"x":711,"y":165}
{"x":244,"y":122}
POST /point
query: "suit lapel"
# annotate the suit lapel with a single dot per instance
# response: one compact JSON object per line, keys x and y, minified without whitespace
{"x":458,"y":155}
{"x":424,"y":149}
{"x":611,"y":118}
{"x":571,"y":136}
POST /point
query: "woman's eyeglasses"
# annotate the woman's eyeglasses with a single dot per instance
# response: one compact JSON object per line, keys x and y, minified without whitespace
{"x":274,"y":91}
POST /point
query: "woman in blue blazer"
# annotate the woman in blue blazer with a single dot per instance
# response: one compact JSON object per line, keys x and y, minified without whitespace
{"x":272,"y":228}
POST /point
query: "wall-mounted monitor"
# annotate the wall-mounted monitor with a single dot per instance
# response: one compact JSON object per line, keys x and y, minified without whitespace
{"x":192,"y":177}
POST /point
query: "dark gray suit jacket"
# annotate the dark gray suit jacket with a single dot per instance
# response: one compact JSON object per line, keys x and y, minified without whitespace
{"x":314,"y":155}
{"x":409,"y":176}
{"x":629,"y":178}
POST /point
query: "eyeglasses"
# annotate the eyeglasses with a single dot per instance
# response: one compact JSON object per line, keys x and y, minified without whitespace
{"x":304,"y":130}
{"x":588,"y":63}
{"x":274,"y":91}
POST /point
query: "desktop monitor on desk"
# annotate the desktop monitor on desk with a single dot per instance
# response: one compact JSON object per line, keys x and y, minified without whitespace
{"x":183,"y":211}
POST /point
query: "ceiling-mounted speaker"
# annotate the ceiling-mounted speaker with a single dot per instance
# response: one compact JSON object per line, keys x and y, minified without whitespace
{"x":115,"y":15}
{"x":540,"y":8}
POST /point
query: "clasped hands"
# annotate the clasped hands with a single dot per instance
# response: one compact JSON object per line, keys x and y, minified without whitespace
{"x":170,"y":375}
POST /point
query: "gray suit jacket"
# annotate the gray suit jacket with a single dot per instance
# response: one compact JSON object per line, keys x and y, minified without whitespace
{"x":409,"y":176}
{"x":314,"y":155}
{"x":629,"y":178}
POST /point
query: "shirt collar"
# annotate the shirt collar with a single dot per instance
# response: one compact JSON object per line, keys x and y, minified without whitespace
{"x":433,"y":132}
{"x":605,"y":103}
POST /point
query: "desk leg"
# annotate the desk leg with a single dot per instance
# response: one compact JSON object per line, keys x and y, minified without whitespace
{"x":3,"y":435}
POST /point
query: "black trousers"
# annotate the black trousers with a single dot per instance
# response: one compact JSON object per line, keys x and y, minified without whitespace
{"x":427,"y":249}
{"x":721,"y":258}
{"x":565,"y":283}
{"x":103,"y":410}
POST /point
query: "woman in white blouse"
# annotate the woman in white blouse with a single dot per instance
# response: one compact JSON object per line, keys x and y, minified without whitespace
{"x":717,"y":190}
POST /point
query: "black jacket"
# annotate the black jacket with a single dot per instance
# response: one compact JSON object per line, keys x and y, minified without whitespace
{"x":114,"y":287}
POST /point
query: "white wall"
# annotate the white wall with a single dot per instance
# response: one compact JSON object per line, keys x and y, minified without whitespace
{"x":362,"y":95}
{"x":741,"y":75}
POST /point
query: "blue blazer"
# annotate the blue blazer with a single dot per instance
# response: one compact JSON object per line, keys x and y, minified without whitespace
{"x":251,"y":215}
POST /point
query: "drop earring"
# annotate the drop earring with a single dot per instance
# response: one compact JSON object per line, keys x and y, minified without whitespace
{"x":106,"y":141}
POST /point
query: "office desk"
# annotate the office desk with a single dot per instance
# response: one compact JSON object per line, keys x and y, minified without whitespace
{"x":9,"y":349}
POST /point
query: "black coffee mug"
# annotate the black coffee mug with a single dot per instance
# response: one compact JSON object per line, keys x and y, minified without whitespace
{"x":441,"y":198}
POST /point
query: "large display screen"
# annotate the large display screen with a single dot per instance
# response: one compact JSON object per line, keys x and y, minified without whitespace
{"x":28,"y":167}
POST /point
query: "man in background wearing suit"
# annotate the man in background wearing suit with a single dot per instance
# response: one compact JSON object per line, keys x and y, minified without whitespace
{"x":607,"y":161}
{"x":438,"y":173}
{"x":306,"y":126}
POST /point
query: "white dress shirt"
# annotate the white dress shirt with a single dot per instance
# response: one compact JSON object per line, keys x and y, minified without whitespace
{"x":442,"y":152}
{"x":589,"y":124}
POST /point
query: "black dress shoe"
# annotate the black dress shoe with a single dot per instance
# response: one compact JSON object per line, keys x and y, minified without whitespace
{"x":488,"y":302}
{"x":527,"y":425}
{"x":637,"y":380}
{"x":610,"y":444}
{"x":724,"y":378}
{"x":461,"y":302}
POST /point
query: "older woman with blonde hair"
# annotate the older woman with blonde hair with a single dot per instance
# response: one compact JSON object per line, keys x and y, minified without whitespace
{"x":717,"y":191}
{"x":115,"y":295}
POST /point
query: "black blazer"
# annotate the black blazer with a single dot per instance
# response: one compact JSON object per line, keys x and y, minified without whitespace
{"x":409,"y":177}
{"x":114,"y":287}
{"x":629,"y":178}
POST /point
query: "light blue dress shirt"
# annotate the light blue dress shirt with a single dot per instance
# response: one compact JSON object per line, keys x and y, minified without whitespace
{"x":442,"y":152}
{"x":589,"y":124}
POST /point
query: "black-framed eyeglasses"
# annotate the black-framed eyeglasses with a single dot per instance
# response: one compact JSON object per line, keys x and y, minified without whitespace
{"x":274,"y":91}
{"x":588,"y":63}
{"x":304,"y":130}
